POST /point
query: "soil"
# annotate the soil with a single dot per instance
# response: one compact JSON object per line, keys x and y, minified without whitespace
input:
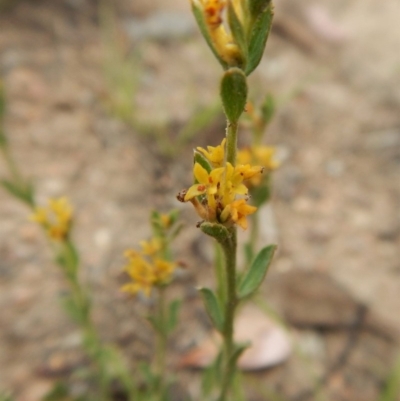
{"x":334,"y":71}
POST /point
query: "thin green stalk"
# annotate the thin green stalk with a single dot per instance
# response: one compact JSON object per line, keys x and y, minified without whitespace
{"x":231,"y":142}
{"x":161,"y":346}
{"x":11,"y":164}
{"x":229,"y":248}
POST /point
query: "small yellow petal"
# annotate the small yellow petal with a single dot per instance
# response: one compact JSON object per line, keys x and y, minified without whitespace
{"x":195,"y":190}
{"x":200,"y":173}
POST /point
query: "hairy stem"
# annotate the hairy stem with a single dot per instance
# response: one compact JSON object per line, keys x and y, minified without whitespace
{"x":231,"y":142}
{"x":229,"y":368}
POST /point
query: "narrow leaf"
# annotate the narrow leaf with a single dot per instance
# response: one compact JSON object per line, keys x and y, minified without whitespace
{"x":201,"y":22}
{"x":258,"y":38}
{"x":261,"y":194}
{"x":2,"y":101}
{"x":174,"y":307}
{"x":268,"y":108}
{"x":211,"y":377}
{"x":256,"y":7}
{"x":201,"y":159}
{"x":233,"y":92}
{"x":237,"y":30}
{"x":155,"y":323}
{"x":239,"y":349}
{"x":212,"y":307}
{"x":257,"y":271}
{"x":3,"y":142}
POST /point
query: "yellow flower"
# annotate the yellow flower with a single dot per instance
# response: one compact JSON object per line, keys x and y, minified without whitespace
{"x":215,"y":154}
{"x":163,"y":271}
{"x":223,"y":41}
{"x":214,"y":193}
{"x":146,"y":270}
{"x":56,"y":218}
{"x":207,"y":185}
{"x":262,"y":155}
{"x":234,"y":177}
{"x":151,"y":247}
{"x":141,"y":273}
{"x":237,"y":212}
{"x":213,"y":11}
{"x":165,"y":220}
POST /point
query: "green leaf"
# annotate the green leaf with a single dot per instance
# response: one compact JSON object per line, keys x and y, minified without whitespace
{"x":174,"y":308}
{"x":148,"y":376}
{"x":202,"y":160}
{"x":253,"y":278}
{"x":258,"y":38}
{"x":237,"y":30}
{"x":3,"y":138}
{"x":260,"y":194}
{"x":268,"y":108}
{"x":157,"y":326}
{"x":201,"y":22}
{"x":248,"y":252}
{"x":72,"y":308}
{"x":233,"y":91}
{"x":213,"y":308}
{"x":175,"y":232}
{"x":215,"y":230}
{"x":211,"y":377}
{"x":2,"y":101}
{"x":173,"y":216}
{"x":256,"y":7}
{"x":21,"y":190}
{"x":238,"y":350}
{"x":59,"y":392}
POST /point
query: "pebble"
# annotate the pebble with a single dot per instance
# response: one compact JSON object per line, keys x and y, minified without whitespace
{"x":102,"y":238}
{"x":381,"y":140}
{"x":312,"y":345}
{"x":335,"y":168}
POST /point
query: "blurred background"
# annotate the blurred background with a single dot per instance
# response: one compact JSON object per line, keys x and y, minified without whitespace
{"x":105,"y":101}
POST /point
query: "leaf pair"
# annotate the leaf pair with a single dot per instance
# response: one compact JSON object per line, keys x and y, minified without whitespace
{"x":166,"y":326}
{"x":250,"y":32}
{"x":247,"y":286}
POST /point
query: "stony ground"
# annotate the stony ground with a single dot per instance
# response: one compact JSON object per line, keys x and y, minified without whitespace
{"x":335,"y":72}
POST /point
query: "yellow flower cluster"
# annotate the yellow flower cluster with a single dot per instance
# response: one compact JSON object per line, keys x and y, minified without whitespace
{"x":223,"y":41}
{"x":56,"y":218}
{"x":262,"y":155}
{"x":147,"y":268}
{"x":214,"y":193}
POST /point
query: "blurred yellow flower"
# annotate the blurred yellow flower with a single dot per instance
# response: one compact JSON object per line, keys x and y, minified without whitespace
{"x":215,"y":154}
{"x":260,"y":155}
{"x":237,"y":212}
{"x":151,"y":247}
{"x":56,"y":218}
{"x":146,"y":269}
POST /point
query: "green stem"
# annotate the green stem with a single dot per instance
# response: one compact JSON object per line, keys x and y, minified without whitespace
{"x":161,"y":344}
{"x":253,"y":236}
{"x":231,"y":142}
{"x":229,"y":368}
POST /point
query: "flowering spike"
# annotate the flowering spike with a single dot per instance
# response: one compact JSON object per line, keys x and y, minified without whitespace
{"x":56,"y":218}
